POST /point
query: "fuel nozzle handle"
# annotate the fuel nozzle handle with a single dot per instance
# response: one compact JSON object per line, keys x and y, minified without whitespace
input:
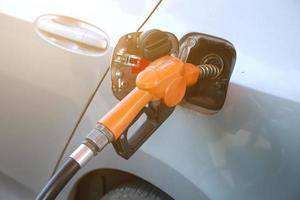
{"x":165,"y":79}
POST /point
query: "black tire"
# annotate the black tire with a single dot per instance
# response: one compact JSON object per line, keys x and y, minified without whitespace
{"x":136,"y":191}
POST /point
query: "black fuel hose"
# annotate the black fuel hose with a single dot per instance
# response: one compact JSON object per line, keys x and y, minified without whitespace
{"x":59,"y":179}
{"x":95,"y":141}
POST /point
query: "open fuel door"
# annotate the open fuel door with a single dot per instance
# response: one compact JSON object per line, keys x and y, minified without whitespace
{"x":197,"y":48}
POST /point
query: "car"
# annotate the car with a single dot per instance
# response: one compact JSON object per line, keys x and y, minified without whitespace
{"x":52,"y":98}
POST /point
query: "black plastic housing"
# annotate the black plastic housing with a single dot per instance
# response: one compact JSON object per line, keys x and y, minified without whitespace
{"x":156,"y":114}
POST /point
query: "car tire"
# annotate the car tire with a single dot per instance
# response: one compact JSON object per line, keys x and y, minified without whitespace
{"x":138,"y":190}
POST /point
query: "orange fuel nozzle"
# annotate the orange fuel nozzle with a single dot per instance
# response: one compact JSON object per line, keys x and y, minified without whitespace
{"x":164,"y":79}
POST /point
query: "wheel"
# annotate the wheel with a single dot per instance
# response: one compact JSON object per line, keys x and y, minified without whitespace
{"x":136,"y":191}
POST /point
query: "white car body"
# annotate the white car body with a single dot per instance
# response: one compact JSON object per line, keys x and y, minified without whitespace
{"x":248,"y":150}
